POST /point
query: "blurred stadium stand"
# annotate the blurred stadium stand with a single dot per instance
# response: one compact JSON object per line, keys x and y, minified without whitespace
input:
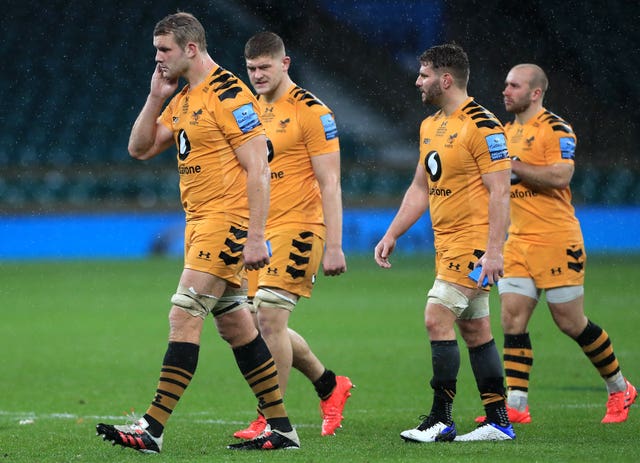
{"x":77,"y":72}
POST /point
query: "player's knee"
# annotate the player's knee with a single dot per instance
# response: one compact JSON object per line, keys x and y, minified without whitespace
{"x":195,"y":304}
{"x":267,"y":298}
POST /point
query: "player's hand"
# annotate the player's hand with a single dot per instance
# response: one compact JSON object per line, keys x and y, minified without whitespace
{"x":383,"y":250}
{"x":334,"y":262}
{"x":492,"y":267}
{"x":256,"y":254}
{"x":161,"y":87}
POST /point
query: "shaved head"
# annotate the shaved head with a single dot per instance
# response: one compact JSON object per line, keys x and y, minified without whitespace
{"x":536,"y":77}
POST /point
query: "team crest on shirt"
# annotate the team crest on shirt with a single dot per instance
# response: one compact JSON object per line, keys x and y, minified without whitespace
{"x":450,"y":140}
{"x":282,"y":125}
{"x":195,"y":116}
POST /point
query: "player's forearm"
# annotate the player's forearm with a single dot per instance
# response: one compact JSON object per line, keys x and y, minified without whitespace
{"x":332,"y":212}
{"x":543,"y":177}
{"x":143,"y":132}
{"x":498,"y":218}
{"x":414,"y":204}
{"x":258,"y":188}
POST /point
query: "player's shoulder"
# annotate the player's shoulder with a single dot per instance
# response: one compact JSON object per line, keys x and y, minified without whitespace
{"x":554,"y":122}
{"x":433,"y":117}
{"x":306,"y":101}
{"x":480,"y":116}
{"x":226,"y":86}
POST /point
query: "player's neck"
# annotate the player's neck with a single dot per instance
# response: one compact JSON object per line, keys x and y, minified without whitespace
{"x":279,"y":91}
{"x":526,"y":115}
{"x":199,"y":70}
{"x":453,"y":102}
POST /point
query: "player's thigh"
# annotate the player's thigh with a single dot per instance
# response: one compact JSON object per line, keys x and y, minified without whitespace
{"x":454,"y":265}
{"x":296,"y":258}
{"x":215,"y":247}
{"x":557,"y":264}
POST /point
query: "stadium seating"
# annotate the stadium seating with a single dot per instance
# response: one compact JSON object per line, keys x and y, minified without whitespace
{"x":71,"y":97}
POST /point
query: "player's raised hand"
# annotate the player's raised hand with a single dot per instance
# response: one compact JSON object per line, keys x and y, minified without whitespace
{"x":161,"y":86}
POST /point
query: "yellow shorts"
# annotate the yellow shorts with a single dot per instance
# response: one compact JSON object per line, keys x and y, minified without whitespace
{"x":296,"y":257}
{"x":550,"y":265}
{"x":215,"y":247}
{"x":455,"y":264}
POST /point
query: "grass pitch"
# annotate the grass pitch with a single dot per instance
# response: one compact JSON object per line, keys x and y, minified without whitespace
{"x":82,"y":342}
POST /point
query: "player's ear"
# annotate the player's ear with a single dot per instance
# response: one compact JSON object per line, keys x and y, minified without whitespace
{"x":286,"y":62}
{"x":537,"y":93}
{"x":191,"y":49}
{"x":446,"y":80}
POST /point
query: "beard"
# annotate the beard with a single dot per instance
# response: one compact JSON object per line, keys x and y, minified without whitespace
{"x":517,"y":107}
{"x":431,"y":94}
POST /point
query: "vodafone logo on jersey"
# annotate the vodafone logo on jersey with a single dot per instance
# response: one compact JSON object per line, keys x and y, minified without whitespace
{"x":433,"y":165}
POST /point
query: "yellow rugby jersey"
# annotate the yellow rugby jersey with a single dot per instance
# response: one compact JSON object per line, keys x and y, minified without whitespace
{"x":544,"y":140}
{"x":208,"y":122}
{"x":455,"y":152}
{"x":299,"y":126}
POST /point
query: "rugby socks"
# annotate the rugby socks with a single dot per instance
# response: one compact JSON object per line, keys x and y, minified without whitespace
{"x":445,"y":360}
{"x":596,"y":345}
{"x":518,"y":360}
{"x":325,"y":384}
{"x":259,"y":370}
{"x":487,"y":369}
{"x":178,"y":367}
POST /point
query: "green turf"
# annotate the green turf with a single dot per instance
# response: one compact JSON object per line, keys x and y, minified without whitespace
{"x":82,"y":342}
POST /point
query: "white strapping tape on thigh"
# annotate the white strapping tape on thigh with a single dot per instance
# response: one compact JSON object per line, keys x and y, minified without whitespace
{"x":445,"y":294}
{"x":268,"y":298}
{"x":195,"y":304}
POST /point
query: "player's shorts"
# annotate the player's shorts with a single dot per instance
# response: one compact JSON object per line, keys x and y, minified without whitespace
{"x":550,"y":265}
{"x":215,"y":247}
{"x":454,"y":264}
{"x":295,"y":258}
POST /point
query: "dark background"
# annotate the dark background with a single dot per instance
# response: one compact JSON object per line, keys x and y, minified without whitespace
{"x":76,"y":73}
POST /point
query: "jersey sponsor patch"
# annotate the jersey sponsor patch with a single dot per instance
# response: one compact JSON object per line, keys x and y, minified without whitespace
{"x":567,"y":147}
{"x":329,"y":124}
{"x":246,"y":117}
{"x":497,"y":144}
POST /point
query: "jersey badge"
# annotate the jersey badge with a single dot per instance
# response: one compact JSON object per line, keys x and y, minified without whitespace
{"x":567,"y":147}
{"x":195,"y":116}
{"x":246,"y":118}
{"x":451,"y":139}
{"x":497,"y":144}
{"x":329,"y":124}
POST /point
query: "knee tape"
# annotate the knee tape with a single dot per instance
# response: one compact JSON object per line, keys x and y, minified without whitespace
{"x":564,"y":294}
{"x":233,"y":299}
{"x":268,"y":298}
{"x":445,"y":294}
{"x":196,"y":305}
{"x":522,"y":286}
